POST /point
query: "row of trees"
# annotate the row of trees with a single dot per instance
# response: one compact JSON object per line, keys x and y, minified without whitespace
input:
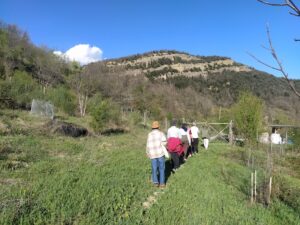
{"x":29,"y":72}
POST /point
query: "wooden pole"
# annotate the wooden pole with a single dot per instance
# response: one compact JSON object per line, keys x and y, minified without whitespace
{"x":230,"y":133}
{"x":255,"y":193}
{"x":166,"y":124}
{"x":145,"y":118}
{"x":270,"y":190}
{"x":271,"y":158}
{"x":251,"y":199}
{"x":286,"y":140}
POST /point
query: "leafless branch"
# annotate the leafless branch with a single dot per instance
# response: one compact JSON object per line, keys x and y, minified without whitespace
{"x":280,"y":67}
{"x":288,"y":3}
{"x":264,"y":47}
{"x":261,"y":62}
{"x":273,"y":4}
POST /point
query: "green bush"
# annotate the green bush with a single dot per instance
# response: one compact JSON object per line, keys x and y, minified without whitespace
{"x":104,"y":113}
{"x":5,"y":88}
{"x":24,"y":88}
{"x":294,"y":134}
{"x":248,"y":115}
{"x":63,"y":99}
{"x":19,"y":91}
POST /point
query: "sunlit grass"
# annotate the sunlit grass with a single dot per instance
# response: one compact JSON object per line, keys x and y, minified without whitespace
{"x":50,"y":179}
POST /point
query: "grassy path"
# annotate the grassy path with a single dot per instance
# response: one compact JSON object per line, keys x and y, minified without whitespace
{"x":104,"y":180}
{"x":211,"y":189}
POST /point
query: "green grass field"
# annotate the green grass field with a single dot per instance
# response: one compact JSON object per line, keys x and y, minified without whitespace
{"x":50,"y":179}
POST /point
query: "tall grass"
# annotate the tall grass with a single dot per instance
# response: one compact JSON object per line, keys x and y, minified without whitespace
{"x":48,"y":179}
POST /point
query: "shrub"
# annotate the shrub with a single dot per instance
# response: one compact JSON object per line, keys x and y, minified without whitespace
{"x":24,"y":88}
{"x":19,"y":91}
{"x":104,"y":113}
{"x":63,"y":98}
{"x":295,"y":137}
{"x":5,"y":88}
{"x":248,"y":115}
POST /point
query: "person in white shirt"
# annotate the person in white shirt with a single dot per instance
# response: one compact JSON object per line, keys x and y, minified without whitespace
{"x":195,"y":138}
{"x":185,"y":138}
{"x":173,"y":131}
{"x":174,"y":134}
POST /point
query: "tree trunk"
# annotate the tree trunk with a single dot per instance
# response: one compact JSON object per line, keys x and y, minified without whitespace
{"x":82,"y":101}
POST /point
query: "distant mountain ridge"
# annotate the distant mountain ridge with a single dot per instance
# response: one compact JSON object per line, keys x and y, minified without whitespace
{"x":163,"y":82}
{"x":219,"y":79}
{"x":166,"y":64}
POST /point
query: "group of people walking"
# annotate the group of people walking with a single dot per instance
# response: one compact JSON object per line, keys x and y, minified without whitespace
{"x":181,"y":143}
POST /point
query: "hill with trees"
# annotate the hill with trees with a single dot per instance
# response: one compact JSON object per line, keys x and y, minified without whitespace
{"x":164,"y":83}
{"x":48,"y":176}
{"x":218,"y":81}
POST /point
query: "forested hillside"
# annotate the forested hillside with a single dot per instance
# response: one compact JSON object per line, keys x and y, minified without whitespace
{"x":218,"y":79}
{"x":163,"y":83}
{"x":87,"y":164}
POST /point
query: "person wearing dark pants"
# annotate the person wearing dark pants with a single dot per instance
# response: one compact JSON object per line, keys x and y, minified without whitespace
{"x":175,"y":160}
{"x":174,"y":144}
{"x":195,"y":143}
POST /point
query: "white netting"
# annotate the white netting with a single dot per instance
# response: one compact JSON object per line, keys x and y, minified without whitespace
{"x":42,"y":108}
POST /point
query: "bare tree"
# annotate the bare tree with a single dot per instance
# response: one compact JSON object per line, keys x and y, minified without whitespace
{"x":85,"y":83}
{"x":279,"y":67}
{"x":287,"y":3}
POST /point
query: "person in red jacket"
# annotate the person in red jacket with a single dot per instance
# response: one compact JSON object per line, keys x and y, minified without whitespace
{"x":174,"y":145}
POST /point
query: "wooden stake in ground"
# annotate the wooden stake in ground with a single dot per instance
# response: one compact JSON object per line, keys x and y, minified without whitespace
{"x":230,"y":133}
{"x":166,"y":124}
{"x":270,"y":191}
{"x":251,"y":188}
{"x":145,"y":119}
{"x":255,"y":193}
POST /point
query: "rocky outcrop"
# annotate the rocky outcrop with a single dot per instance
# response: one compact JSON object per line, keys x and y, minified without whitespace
{"x":164,"y":64}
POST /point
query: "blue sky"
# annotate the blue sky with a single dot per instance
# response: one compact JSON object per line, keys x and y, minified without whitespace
{"x":121,"y":28}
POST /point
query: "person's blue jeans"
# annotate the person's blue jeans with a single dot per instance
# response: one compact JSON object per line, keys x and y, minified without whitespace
{"x":158,"y":163}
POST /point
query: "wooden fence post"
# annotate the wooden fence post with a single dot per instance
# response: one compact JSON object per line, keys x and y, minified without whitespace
{"x":230,"y":133}
{"x":251,"y":199}
{"x":269,"y":191}
{"x":166,"y":124}
{"x":255,"y":193}
{"x":145,"y":118}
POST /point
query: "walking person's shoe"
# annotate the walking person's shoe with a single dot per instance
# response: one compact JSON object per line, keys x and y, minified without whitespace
{"x":162,"y":186}
{"x":156,"y":184}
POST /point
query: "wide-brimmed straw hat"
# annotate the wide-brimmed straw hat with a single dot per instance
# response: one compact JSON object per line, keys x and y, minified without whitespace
{"x":155,"y":124}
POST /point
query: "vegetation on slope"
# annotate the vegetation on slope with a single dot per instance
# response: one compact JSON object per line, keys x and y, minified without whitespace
{"x":50,"y":179}
{"x":28,"y":72}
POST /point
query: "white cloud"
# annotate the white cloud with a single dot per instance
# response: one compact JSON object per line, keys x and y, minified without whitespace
{"x":59,"y":53}
{"x":82,"y":53}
